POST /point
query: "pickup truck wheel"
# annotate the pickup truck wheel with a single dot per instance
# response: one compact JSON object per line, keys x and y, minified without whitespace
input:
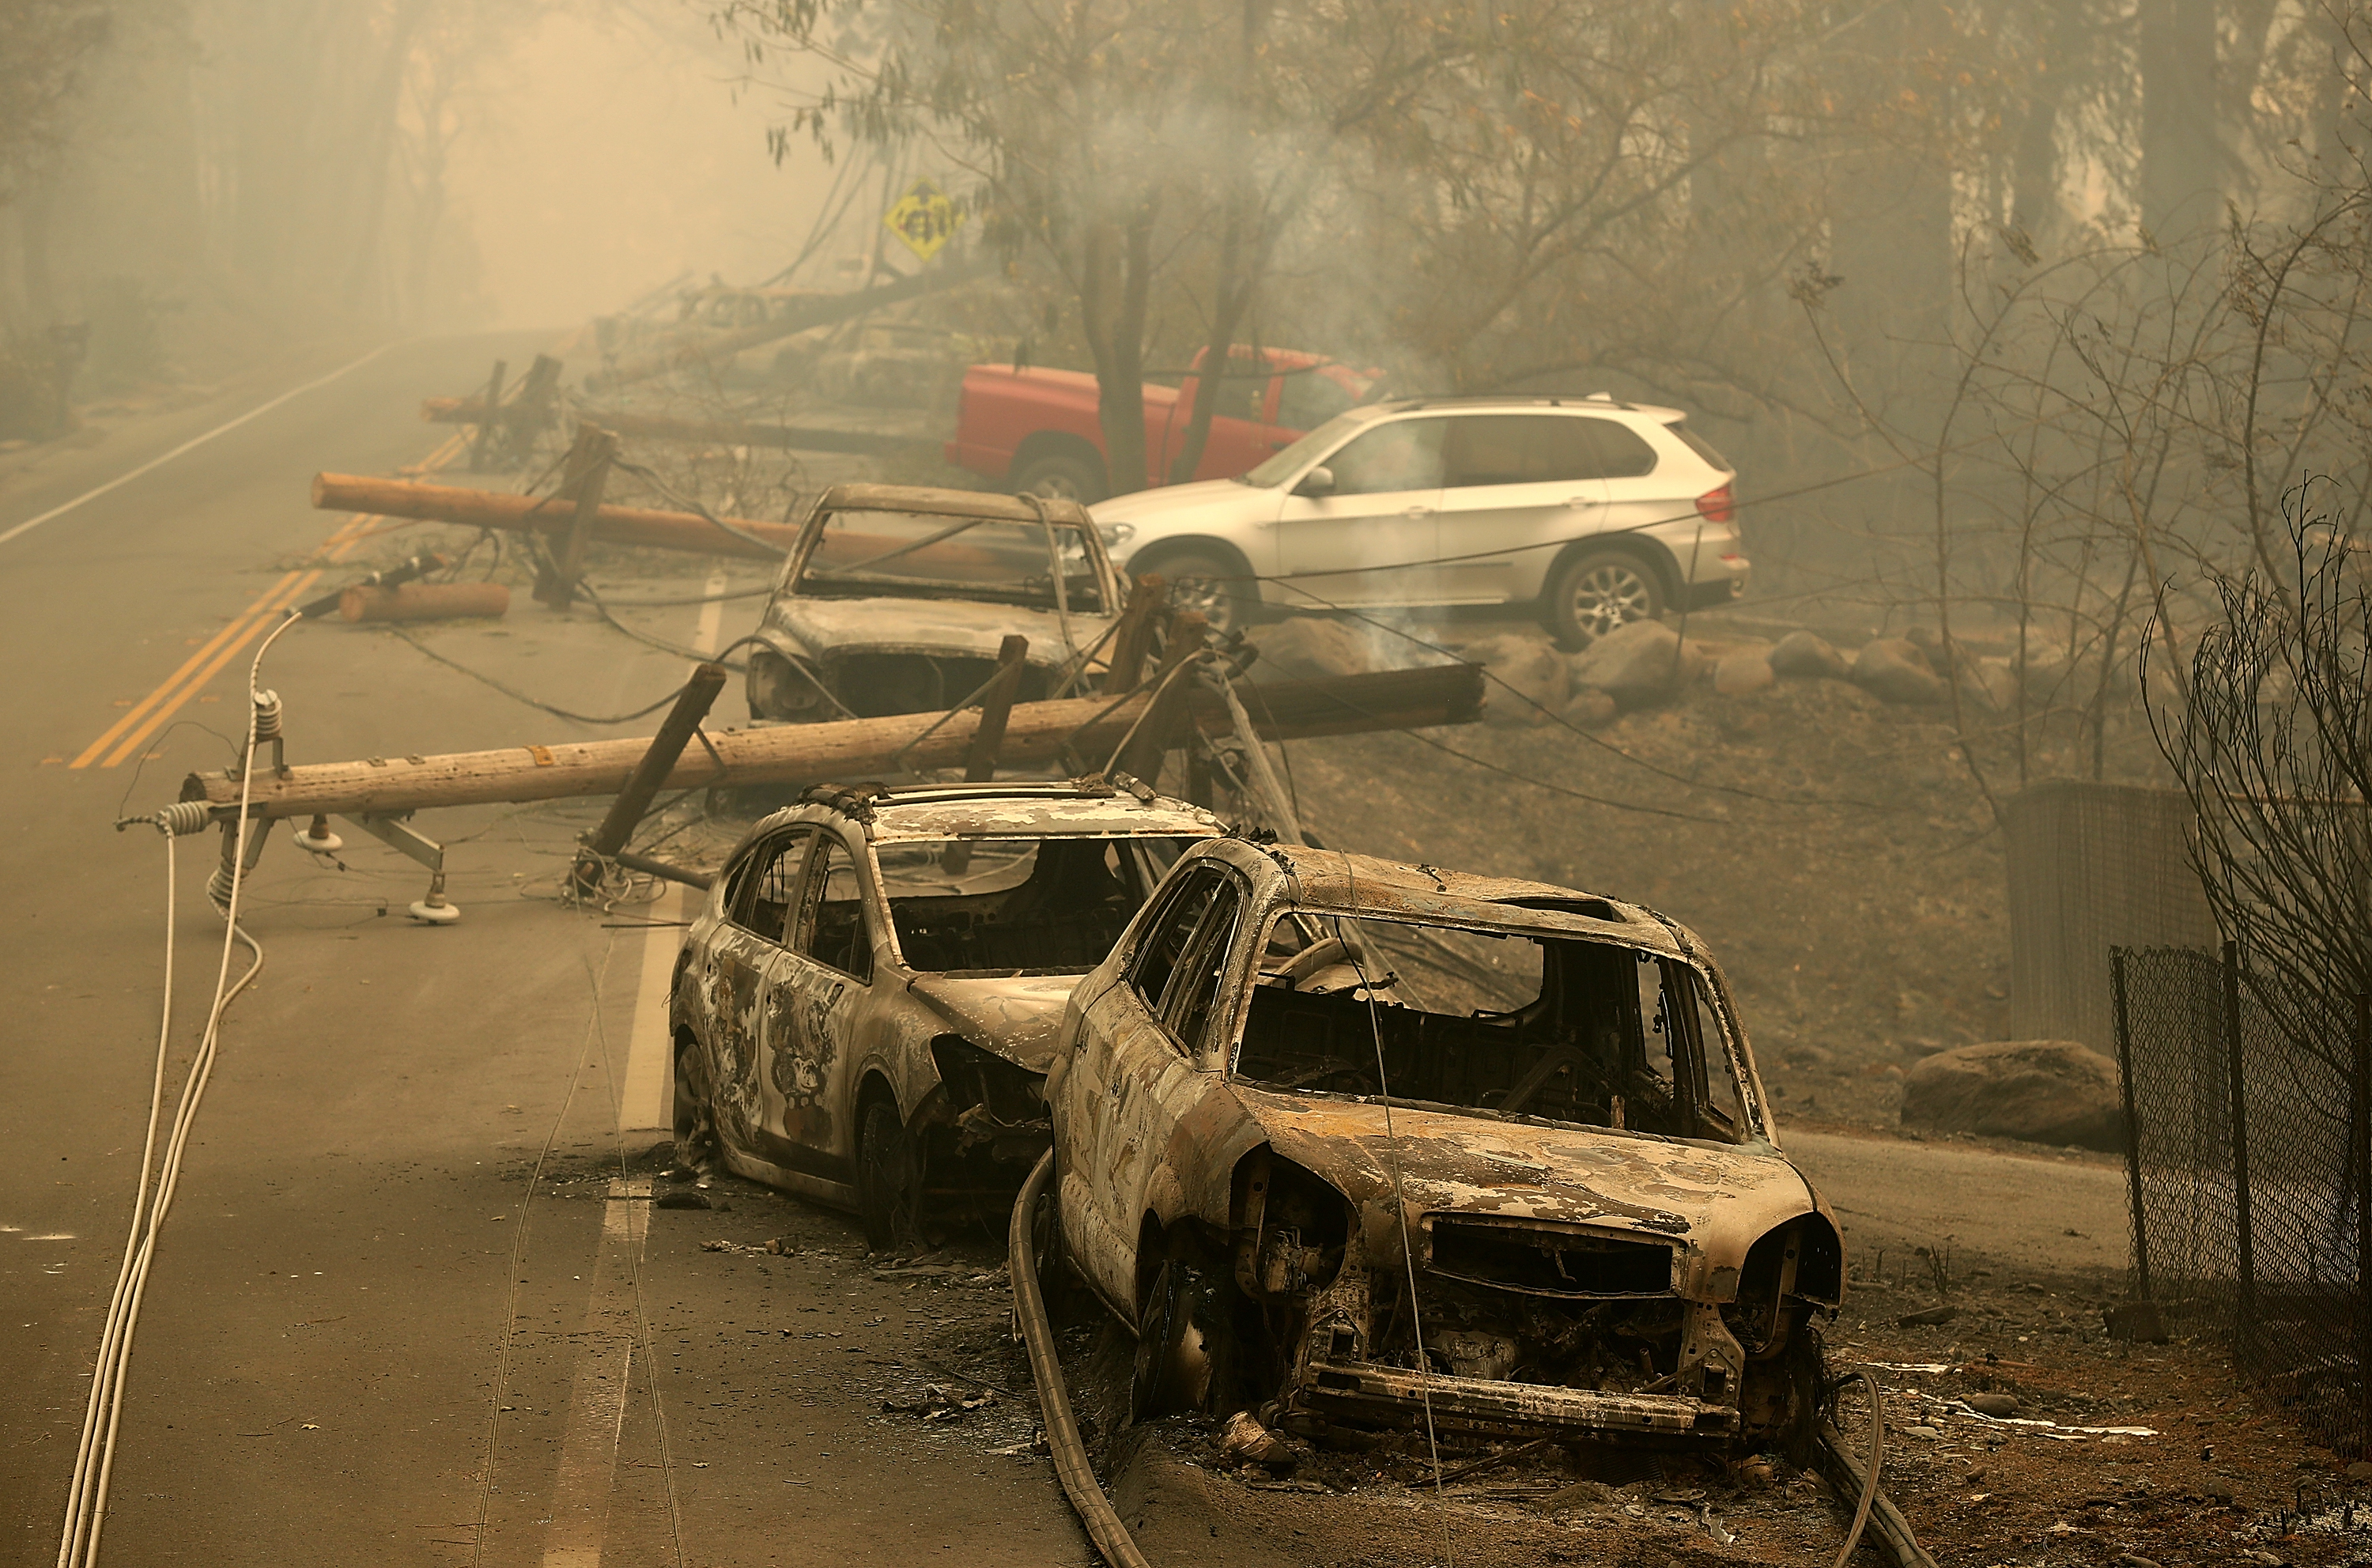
{"x":1598,"y":590}
{"x":1206,"y":584}
{"x":888,"y":1177}
{"x":1059,"y":476}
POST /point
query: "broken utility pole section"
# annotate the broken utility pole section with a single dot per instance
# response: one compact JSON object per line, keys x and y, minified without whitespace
{"x":584,"y":475}
{"x":608,"y":840}
{"x":1036,"y":736}
{"x":551,"y":517}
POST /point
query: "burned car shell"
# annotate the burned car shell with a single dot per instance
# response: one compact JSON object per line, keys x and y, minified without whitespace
{"x":783,"y":1042}
{"x":830,"y":657}
{"x":1167,"y":1159}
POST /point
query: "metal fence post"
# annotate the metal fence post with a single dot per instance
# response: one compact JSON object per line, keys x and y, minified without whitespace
{"x":2243,"y":1231}
{"x":2360,"y":1155}
{"x":2133,"y":1125}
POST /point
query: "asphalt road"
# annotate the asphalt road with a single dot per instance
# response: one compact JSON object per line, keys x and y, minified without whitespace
{"x":414,"y":1303}
{"x":369,"y":1337}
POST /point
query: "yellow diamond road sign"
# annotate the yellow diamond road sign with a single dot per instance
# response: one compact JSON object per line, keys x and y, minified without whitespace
{"x":926,"y":217}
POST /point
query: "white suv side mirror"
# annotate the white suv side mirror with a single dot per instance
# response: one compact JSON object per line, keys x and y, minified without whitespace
{"x":1318,"y":481}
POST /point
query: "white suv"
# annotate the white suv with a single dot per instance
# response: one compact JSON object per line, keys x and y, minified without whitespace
{"x":1595,"y":512}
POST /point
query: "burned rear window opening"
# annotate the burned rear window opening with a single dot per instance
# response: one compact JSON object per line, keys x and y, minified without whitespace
{"x":1585,"y":1033}
{"x":977,"y":907}
{"x":878,"y":555}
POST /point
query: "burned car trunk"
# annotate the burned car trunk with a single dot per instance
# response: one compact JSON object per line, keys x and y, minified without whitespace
{"x":1480,"y":1154}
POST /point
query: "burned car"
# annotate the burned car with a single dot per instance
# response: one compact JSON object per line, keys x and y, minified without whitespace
{"x":1372,"y":1145}
{"x":864,"y":1008}
{"x":895,"y":599}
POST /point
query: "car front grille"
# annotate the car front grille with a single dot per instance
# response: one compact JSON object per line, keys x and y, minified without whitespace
{"x":1546,"y":1260}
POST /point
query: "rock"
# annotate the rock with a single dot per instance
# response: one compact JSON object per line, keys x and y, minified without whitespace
{"x":1519,"y":671}
{"x":1806,"y":1056}
{"x":1583,"y":1494}
{"x":1638,"y":663}
{"x":1897,"y":672}
{"x":2138,"y":1321}
{"x":1991,"y":683}
{"x":2045,"y":1091}
{"x":1307,"y":646}
{"x":1589,"y":708}
{"x":1745,"y":671}
{"x":2001,"y":1407}
{"x":2360,"y":1471}
{"x":1806,"y":656}
{"x":1928,"y":1318}
{"x":1924,"y":1434}
{"x":2132,"y":1559}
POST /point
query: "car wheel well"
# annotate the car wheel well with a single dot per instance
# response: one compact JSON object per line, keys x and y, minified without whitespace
{"x":1152,"y":556}
{"x":1650,"y":553}
{"x":1056,"y":444}
{"x":874,"y":1087}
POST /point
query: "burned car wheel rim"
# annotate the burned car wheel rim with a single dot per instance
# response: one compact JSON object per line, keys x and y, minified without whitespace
{"x":888,"y":1177}
{"x":695,"y":1122}
{"x":1608,"y":595}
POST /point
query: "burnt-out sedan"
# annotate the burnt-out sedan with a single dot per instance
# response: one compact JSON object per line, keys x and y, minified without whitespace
{"x":1374,"y":1145}
{"x":896,"y":598}
{"x":865,"y":1006}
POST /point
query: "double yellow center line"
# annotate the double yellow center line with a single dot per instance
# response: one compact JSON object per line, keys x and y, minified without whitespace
{"x":128,"y":734}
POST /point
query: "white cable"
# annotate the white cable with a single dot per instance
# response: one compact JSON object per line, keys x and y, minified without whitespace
{"x":94,"y":1459}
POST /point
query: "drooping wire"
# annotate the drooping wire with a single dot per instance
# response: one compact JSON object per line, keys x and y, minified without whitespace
{"x":1400,"y":1205}
{"x":95,"y":1455}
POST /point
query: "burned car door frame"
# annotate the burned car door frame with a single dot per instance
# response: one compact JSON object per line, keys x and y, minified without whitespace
{"x":818,"y":988}
{"x":741,"y":959}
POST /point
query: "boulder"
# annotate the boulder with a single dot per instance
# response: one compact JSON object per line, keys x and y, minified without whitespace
{"x":1517,"y":668}
{"x":2045,"y":1091}
{"x":1745,"y":671}
{"x":1638,"y":663}
{"x":1588,"y":708}
{"x":1806,"y":656}
{"x":1894,"y":669}
{"x":1308,"y":646}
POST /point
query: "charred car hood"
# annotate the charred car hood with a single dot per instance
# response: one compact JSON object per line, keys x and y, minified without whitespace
{"x":1016,"y":1017}
{"x":1513,"y":1170}
{"x":817,"y":628}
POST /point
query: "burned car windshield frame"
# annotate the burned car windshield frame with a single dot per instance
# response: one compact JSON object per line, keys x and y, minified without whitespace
{"x":1079,"y":590}
{"x":1705,"y":1096}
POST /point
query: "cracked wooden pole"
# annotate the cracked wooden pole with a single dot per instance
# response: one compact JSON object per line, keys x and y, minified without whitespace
{"x":492,"y":410}
{"x":605,"y":843}
{"x":995,"y":709}
{"x":1133,"y":640}
{"x":1166,"y":720}
{"x":584,"y":475}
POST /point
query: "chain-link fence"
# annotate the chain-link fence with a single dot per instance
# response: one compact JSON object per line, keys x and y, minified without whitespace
{"x":2251,"y":1193}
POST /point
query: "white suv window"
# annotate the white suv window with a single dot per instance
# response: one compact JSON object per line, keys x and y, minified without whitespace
{"x":1403,"y":455}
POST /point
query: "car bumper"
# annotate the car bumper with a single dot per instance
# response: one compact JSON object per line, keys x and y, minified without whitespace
{"x":1362,"y":1394}
{"x":1725,"y":586}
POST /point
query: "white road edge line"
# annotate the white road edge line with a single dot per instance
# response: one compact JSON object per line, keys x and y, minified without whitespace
{"x":192,"y":444}
{"x":642,"y":1098}
{"x":597,"y":1400}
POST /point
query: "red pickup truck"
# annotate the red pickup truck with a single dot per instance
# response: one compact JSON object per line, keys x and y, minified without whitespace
{"x":1036,"y":430}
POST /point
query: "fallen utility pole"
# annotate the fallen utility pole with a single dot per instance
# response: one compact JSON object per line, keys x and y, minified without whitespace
{"x":1037,"y":734}
{"x":716,"y":432}
{"x":552,"y":516}
{"x":801,"y":315}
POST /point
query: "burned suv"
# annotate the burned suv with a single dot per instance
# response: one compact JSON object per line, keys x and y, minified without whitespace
{"x":865,"y":1006}
{"x":895,"y":599}
{"x":1385,"y":1145}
